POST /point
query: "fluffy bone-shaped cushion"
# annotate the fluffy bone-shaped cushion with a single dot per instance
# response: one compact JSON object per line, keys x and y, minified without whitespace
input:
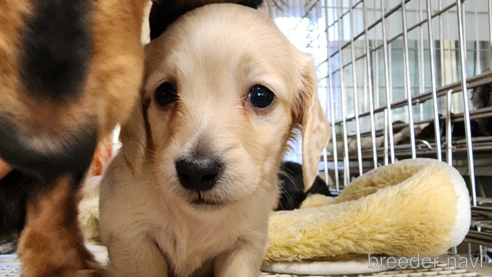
{"x":412,"y":207}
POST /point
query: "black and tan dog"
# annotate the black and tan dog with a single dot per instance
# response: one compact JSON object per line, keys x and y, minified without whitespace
{"x":69,"y":72}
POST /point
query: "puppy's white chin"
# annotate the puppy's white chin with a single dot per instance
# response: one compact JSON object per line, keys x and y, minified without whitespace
{"x":208,"y":203}
{"x":203,"y":205}
{"x":201,"y":201}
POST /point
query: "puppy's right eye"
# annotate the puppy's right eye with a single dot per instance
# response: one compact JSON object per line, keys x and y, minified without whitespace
{"x":260,"y":96}
{"x":166,"y":94}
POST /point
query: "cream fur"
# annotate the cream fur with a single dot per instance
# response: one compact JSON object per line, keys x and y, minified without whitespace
{"x":214,"y":54}
{"x":411,"y":207}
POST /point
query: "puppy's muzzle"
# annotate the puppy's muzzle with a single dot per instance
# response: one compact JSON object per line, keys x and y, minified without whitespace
{"x":199,"y":173}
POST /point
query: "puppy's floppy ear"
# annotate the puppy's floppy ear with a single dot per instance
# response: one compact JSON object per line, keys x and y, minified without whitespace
{"x":133,"y":136}
{"x":315,"y":128}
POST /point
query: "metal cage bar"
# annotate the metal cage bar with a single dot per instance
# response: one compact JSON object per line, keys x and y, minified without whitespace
{"x":356,"y":95}
{"x":466,"y":113}
{"x":433,"y":81}
{"x":331,"y":106}
{"x":370,"y":92}
{"x":346,"y":167}
{"x":389,"y":90}
{"x":408,"y":87}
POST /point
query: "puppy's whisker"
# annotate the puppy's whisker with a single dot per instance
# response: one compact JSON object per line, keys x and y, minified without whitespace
{"x":283,"y":192}
{"x":287,"y":175}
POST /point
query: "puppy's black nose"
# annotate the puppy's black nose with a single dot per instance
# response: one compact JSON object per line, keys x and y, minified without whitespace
{"x":199,"y":173}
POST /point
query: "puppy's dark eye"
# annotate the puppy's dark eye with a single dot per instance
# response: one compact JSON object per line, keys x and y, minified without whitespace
{"x":166,"y":94}
{"x":260,"y":97}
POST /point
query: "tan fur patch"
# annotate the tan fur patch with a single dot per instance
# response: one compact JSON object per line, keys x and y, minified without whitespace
{"x":11,"y":25}
{"x":51,"y":243}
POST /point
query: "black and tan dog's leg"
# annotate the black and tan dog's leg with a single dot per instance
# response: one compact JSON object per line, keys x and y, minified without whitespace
{"x":51,"y":244}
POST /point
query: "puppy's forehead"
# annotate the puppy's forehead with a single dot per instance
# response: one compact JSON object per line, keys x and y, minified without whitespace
{"x":221,"y":39}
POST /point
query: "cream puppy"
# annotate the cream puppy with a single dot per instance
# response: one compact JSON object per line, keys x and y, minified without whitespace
{"x":196,"y":179}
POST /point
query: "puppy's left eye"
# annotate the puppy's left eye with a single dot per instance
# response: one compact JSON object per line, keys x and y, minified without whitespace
{"x":166,"y":94}
{"x":260,"y":97}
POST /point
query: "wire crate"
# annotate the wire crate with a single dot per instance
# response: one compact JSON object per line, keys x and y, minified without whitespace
{"x":397,"y":78}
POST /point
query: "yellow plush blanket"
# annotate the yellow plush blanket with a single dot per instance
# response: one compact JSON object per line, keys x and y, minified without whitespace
{"x":413,"y":207}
